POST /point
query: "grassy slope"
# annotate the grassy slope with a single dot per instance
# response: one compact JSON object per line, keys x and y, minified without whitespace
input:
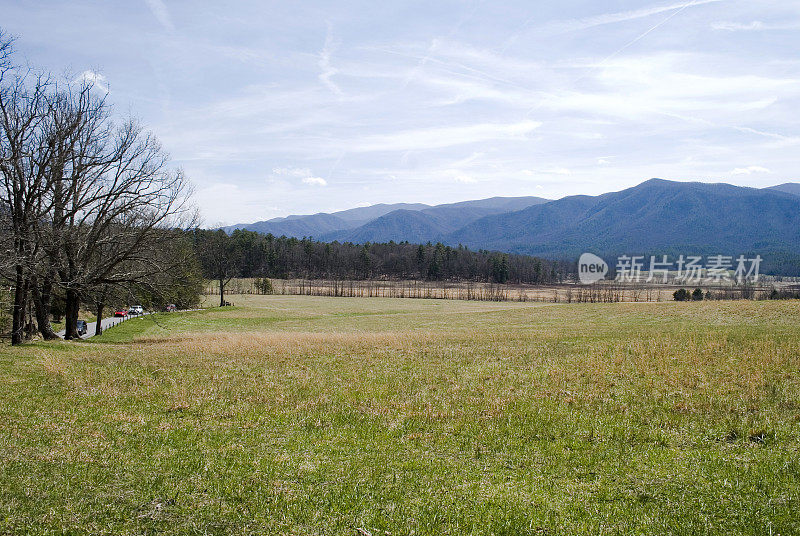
{"x":302,"y":415}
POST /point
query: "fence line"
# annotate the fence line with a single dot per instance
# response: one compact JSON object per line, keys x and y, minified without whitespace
{"x":607,"y":292}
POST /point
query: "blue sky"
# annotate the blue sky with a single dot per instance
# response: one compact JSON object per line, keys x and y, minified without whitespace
{"x":277,"y":108}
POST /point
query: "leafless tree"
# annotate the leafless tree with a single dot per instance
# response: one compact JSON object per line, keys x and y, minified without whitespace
{"x":220,"y":257}
{"x":121,"y":195}
{"x":87,"y":202}
{"x":72,"y":117}
{"x":23,"y":177}
{"x":5,"y":51}
{"x":162,"y":271}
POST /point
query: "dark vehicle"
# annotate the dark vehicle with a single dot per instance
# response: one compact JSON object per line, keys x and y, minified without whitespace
{"x":170,"y":308}
{"x":121,"y":312}
{"x":82,"y":327}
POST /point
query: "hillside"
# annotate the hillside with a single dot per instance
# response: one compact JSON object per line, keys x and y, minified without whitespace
{"x":371,"y":224}
{"x":318,"y":224}
{"x":298,"y":226}
{"x":655,"y":217}
{"x":400,"y":225}
{"x":788,"y":188}
{"x":431,"y":224}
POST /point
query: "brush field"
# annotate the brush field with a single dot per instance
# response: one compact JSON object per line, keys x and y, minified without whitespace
{"x":316,"y":415}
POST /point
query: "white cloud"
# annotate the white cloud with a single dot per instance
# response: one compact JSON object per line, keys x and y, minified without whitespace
{"x":439,"y":137}
{"x":678,"y":84}
{"x":161,"y":13}
{"x":546,"y":171}
{"x":637,"y":88}
{"x":589,"y":135}
{"x":582,"y":23}
{"x":460,"y":176}
{"x":305,"y":175}
{"x":781,"y":141}
{"x":328,"y":71}
{"x":297,"y":173}
{"x":94,"y":79}
{"x":557,"y":171}
{"x":749,"y":170}
{"x":621,"y":16}
{"x":474,"y":120}
{"x":315,"y":181}
{"x":754,"y":26}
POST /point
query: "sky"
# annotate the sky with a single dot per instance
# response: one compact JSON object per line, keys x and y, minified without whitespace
{"x":275,"y":108}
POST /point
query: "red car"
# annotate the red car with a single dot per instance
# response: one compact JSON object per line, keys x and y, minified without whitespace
{"x":122,"y":313}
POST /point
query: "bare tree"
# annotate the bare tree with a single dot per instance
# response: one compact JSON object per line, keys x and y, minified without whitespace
{"x":121,"y":197}
{"x":165,"y":271}
{"x":86,"y":202}
{"x":23,"y":149}
{"x":72,"y":117}
{"x":5,"y":51}
{"x":220,"y":257}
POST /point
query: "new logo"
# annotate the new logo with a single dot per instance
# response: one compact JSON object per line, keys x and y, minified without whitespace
{"x":591,"y":268}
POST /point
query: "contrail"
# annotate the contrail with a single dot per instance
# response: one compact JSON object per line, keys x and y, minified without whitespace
{"x":632,"y":42}
{"x":609,"y":18}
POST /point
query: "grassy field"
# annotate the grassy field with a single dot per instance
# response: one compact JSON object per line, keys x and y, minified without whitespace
{"x":301,"y":415}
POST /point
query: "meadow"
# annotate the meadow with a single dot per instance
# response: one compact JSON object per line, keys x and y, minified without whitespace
{"x":380,"y":416}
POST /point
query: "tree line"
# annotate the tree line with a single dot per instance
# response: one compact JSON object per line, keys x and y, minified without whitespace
{"x":91,"y":210}
{"x":249,"y":254}
{"x":93,"y":215}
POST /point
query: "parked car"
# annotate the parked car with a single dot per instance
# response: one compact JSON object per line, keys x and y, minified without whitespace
{"x":121,"y":312}
{"x":82,"y":327}
{"x":136,"y":310}
{"x":171,"y":307}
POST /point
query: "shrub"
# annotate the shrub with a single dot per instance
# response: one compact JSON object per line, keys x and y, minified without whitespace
{"x":264,"y":285}
{"x":681,"y":295}
{"x":784,"y":294}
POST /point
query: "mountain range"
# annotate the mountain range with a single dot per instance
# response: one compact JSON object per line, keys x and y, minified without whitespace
{"x":384,"y":222}
{"x":655,"y":217}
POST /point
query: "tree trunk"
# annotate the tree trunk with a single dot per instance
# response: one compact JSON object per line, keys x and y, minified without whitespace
{"x":42,"y":299}
{"x":222,"y":292}
{"x":71,"y":319}
{"x":20,"y":305}
{"x":99,"y":325}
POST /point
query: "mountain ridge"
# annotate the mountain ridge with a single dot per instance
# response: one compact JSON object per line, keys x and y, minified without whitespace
{"x":654,"y":217}
{"x":787,"y":187}
{"x":325,"y":225}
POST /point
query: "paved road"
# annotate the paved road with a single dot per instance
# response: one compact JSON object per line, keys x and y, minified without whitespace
{"x":106,"y":323}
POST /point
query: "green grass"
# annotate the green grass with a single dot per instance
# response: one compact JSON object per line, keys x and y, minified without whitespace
{"x":299,"y":415}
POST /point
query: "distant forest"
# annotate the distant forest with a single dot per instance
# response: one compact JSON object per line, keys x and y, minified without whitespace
{"x":251,"y":254}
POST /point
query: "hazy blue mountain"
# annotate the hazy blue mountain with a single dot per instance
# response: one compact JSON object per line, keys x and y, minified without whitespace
{"x":431,"y":224}
{"x":318,"y":224}
{"x":654,"y":217}
{"x":299,"y":226}
{"x":500,"y":204}
{"x":788,"y":187}
{"x":368,"y":224}
{"x":364,"y":214}
{"x":412,"y":225}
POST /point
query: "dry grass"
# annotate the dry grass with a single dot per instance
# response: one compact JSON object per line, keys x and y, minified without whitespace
{"x":301,"y":415}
